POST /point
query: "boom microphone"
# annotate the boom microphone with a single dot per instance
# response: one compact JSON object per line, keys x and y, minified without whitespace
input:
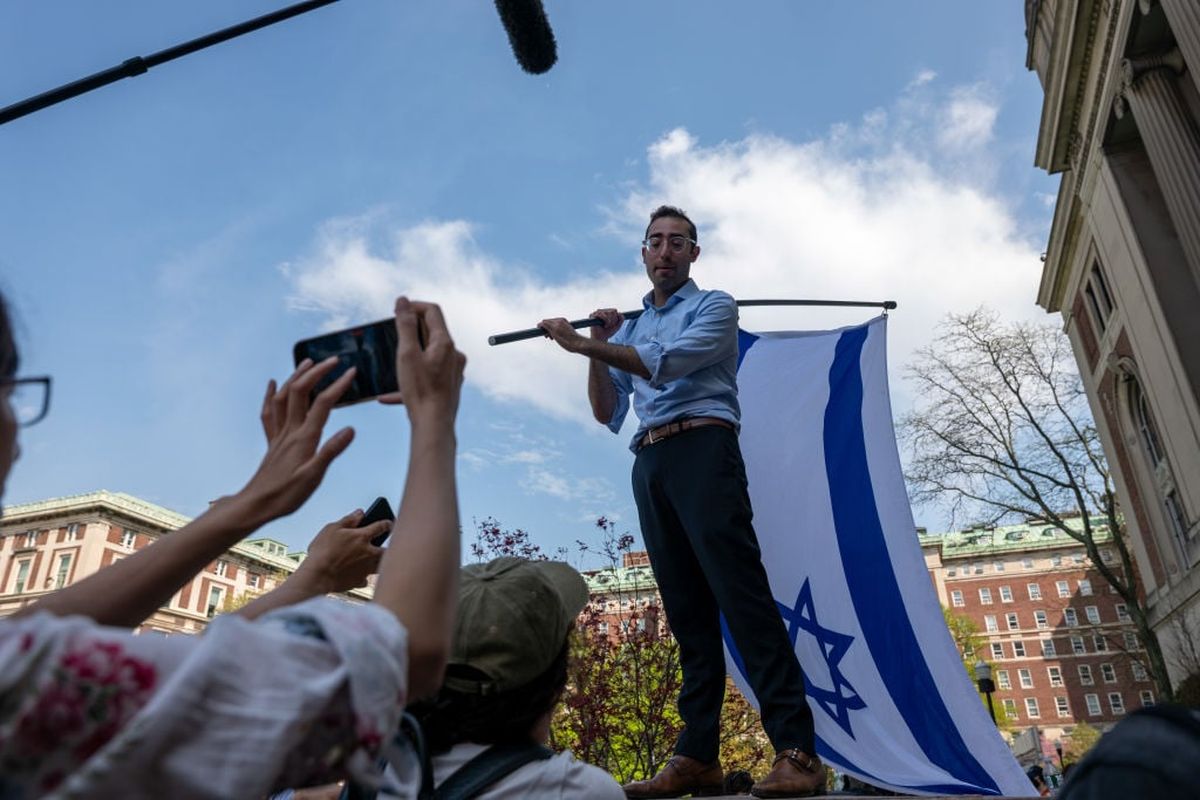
{"x":529,"y":34}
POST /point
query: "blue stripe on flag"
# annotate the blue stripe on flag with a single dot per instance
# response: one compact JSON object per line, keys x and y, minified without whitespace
{"x":745,"y":340}
{"x":874,"y":589}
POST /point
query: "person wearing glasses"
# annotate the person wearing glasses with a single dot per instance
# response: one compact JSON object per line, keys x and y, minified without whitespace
{"x":296,"y":689}
{"x":679,"y":362}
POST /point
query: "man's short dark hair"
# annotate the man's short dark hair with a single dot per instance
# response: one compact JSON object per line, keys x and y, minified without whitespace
{"x":9,"y":360}
{"x":672,"y":211}
{"x":501,"y":718}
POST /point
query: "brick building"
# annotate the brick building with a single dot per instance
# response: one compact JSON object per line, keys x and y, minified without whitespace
{"x":1061,"y":644}
{"x":624,"y":597}
{"x":53,"y":543}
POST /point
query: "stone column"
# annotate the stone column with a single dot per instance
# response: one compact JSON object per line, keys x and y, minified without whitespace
{"x":1171,"y":138}
{"x":1184,"y":18}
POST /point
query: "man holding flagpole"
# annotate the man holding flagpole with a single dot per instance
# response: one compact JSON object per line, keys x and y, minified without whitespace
{"x":679,"y":361}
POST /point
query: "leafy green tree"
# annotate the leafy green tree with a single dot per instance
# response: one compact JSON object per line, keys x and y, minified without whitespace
{"x":969,"y":643}
{"x":1083,"y":737}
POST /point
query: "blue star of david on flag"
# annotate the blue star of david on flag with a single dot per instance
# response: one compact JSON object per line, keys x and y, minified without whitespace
{"x":833,"y":645}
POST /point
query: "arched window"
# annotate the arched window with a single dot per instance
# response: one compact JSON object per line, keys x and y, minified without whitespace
{"x":1156,"y":460}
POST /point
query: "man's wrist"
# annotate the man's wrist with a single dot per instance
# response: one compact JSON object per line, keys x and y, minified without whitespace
{"x":312,"y":582}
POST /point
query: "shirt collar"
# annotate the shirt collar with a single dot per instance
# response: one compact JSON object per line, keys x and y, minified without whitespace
{"x":689,"y":289}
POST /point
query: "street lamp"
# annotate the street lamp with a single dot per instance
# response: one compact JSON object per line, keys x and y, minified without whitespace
{"x":983,"y":677}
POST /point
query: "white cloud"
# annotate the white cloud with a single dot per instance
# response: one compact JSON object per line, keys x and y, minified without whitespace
{"x":873,"y":210}
{"x":968,"y":119}
{"x":566,"y":487}
{"x":921,"y":78}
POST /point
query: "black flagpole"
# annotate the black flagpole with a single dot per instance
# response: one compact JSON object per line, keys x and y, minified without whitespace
{"x":590,"y":322}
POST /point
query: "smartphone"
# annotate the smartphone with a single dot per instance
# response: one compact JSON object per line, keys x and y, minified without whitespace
{"x":379,"y":510}
{"x":371,"y":348}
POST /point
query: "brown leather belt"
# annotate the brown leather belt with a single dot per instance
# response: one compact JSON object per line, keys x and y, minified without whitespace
{"x":655,"y":435}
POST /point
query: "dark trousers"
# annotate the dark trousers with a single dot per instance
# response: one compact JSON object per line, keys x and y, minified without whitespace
{"x":696,"y":521}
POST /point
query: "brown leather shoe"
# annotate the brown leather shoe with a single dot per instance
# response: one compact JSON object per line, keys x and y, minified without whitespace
{"x":794,"y":774}
{"x":682,"y":775}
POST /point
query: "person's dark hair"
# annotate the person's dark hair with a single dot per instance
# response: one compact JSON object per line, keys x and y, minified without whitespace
{"x":9,"y":359}
{"x":672,"y":211}
{"x":502,"y":718}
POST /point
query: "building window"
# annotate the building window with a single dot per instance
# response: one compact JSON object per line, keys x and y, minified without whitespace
{"x":1139,"y":672}
{"x":222,"y":568}
{"x":22,"y":575}
{"x":1006,"y":594}
{"x":1099,"y":299}
{"x":952,"y":572}
{"x":989,"y":623}
{"x":1048,"y":649}
{"x":1060,"y":705}
{"x":1085,"y":587}
{"x":1010,"y":708}
{"x":1013,"y":622}
{"x":1031,"y":707}
{"x":64,"y":569}
{"x":603,"y":628}
{"x":1055,"y":676}
{"x":1085,"y":675}
{"x":1131,"y":641}
{"x":1122,"y":612}
{"x":1147,"y":698}
{"x":998,"y":566}
{"x":956,"y":599}
{"x":978,"y":569}
{"x":1077,"y":646}
{"x":1077,"y":558}
{"x":1002,"y":679}
{"x":1106,"y":556}
{"x":1035,"y":591}
{"x":1116,"y":702}
{"x":31,"y":538}
{"x":72,"y":532}
{"x":1093,"y":614}
{"x":1056,"y":560}
{"x":1107,"y":673}
{"x":128,"y":539}
{"x":1100,"y":643}
{"x":1026,"y":678}
{"x":1063,"y":590}
{"x":1069,"y":618}
{"x":1018,"y":649}
{"x":997,"y":650}
{"x":985,"y":596}
{"x":1039,"y":619}
{"x":252,"y":580}
{"x":214,"y":600}
{"x":1093,"y":704}
{"x":1027,"y":563}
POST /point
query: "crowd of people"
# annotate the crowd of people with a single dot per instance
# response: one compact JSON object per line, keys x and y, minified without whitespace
{"x":450,"y":676}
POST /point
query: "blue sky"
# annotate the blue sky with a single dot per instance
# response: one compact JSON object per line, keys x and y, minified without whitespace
{"x":166,"y":239}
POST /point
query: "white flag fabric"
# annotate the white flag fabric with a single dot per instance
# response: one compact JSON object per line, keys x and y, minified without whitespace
{"x":892,"y":703}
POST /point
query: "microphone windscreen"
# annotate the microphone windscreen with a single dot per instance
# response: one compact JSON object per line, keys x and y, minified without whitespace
{"x":529,"y":34}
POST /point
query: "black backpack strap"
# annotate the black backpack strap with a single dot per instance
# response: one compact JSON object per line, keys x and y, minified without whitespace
{"x":497,"y":762}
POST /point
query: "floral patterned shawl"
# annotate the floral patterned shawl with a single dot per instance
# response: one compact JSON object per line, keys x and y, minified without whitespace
{"x":298,"y":697}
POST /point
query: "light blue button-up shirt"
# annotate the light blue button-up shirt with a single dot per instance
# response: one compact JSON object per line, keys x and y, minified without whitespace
{"x":690,"y":348}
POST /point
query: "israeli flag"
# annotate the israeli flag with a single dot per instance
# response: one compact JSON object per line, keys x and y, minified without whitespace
{"x":892,"y":703}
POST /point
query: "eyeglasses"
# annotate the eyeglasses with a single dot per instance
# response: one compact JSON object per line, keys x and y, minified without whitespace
{"x":29,"y":398}
{"x":676,"y":243}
